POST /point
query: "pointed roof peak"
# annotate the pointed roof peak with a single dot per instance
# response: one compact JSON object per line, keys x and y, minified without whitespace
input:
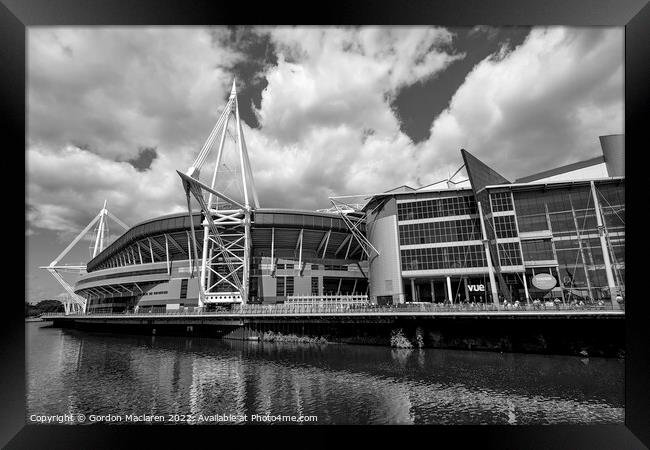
{"x":233,"y":91}
{"x":479,"y":173}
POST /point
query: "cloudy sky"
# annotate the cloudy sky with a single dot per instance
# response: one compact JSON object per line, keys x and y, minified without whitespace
{"x":113,"y":112}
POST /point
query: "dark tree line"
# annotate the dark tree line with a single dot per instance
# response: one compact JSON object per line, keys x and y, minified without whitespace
{"x":44,"y":306}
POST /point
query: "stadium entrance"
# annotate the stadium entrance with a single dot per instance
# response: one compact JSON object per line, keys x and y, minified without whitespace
{"x":452,"y":289}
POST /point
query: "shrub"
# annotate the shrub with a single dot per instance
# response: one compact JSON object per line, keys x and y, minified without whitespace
{"x":270,"y":336}
{"x":397,"y":339}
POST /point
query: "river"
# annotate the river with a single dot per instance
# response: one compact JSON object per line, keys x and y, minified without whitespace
{"x":106,"y":377}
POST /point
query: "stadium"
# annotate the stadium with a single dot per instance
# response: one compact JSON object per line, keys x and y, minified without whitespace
{"x":230,"y":251}
{"x":294,"y":254}
{"x":474,"y":237}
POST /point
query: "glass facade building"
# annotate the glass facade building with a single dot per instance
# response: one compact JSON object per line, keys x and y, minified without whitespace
{"x":489,"y":239}
{"x":559,"y":234}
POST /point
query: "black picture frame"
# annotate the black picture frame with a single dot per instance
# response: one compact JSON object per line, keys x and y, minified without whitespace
{"x":634,"y":15}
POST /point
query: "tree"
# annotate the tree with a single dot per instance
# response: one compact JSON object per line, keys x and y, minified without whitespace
{"x":44,"y":306}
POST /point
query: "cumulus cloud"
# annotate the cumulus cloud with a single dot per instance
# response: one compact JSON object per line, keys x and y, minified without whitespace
{"x":66,"y":188}
{"x":539,"y":106}
{"x":326,"y":78}
{"x":326,"y":114}
{"x":98,"y":96}
{"x":114,"y":90}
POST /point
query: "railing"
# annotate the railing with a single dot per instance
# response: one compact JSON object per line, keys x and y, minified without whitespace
{"x":410,"y":308}
{"x":357,"y":299}
{"x":404,"y":309}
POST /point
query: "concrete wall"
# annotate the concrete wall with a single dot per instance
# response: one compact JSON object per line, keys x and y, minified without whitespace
{"x":301,"y":286}
{"x":269,"y":287}
{"x":385,"y":270}
{"x":168,"y":293}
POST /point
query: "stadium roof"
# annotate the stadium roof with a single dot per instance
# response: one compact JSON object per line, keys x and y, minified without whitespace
{"x":263,"y":218}
{"x":567,"y":169}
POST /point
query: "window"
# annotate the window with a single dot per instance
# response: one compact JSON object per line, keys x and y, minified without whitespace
{"x":279,"y":286}
{"x":501,"y":201}
{"x":443,"y":257}
{"x":505,"y":226}
{"x":537,"y":250}
{"x":557,"y":201}
{"x":435,"y":232}
{"x":314,"y":267}
{"x":611,"y":194}
{"x":619,"y":253}
{"x":183,"y":288}
{"x":528,"y":203}
{"x":562,"y":244}
{"x":331,"y":285}
{"x":581,"y":198}
{"x":586,"y":220}
{"x":562,"y":222}
{"x":284,"y":286}
{"x":441,"y":207}
{"x":532,"y":223}
{"x":553,"y":201}
{"x":614,"y":217}
{"x":597,"y":277}
{"x":314,"y":285}
{"x":569,"y":257}
{"x":155,"y":293}
{"x":509,"y":254}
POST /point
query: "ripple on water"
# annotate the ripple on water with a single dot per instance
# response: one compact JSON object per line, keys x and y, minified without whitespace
{"x":70,"y":371}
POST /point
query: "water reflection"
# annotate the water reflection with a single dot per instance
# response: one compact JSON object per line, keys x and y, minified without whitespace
{"x":92,"y":373}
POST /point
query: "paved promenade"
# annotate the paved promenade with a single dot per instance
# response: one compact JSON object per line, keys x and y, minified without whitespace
{"x":409,"y":310}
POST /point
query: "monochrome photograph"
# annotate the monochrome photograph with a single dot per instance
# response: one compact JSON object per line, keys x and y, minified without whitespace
{"x":325,"y":225}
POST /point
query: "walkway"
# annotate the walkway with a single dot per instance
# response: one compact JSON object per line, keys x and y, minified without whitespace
{"x":422,"y":310}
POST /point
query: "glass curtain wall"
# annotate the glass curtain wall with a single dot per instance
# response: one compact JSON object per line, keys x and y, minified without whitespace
{"x":570,"y":215}
{"x":453,"y":231}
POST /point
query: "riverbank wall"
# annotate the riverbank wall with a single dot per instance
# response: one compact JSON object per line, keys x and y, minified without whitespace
{"x":581,"y":336}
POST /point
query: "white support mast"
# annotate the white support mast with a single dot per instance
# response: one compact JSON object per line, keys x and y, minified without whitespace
{"x":99,"y":239}
{"x":488,"y":258}
{"x":611,"y":284}
{"x":225,"y":259}
{"x":77,"y":303}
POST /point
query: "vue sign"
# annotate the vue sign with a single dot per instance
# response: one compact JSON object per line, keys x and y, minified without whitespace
{"x":544,"y":281}
{"x":476,"y":288}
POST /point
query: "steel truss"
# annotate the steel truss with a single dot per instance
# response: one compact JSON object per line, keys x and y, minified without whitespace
{"x":76,"y":303}
{"x":225,"y":258}
{"x":353,"y":226}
